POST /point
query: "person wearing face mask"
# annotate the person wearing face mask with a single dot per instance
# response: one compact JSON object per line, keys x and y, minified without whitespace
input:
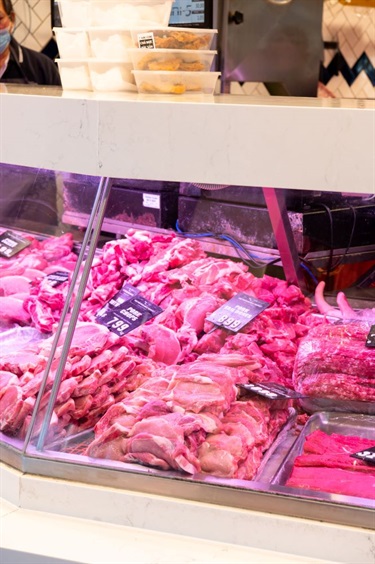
{"x":19,"y":64}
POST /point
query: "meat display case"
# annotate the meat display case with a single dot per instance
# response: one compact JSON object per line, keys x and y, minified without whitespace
{"x":325,"y":145}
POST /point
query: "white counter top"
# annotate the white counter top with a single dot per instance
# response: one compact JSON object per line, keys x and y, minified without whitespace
{"x":301,"y":143}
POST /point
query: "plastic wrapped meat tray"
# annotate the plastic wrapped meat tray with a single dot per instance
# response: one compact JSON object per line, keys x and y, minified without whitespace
{"x":345,"y":425}
{"x":335,"y":369}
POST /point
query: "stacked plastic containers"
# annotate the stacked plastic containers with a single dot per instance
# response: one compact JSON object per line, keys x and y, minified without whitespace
{"x":174,"y":60}
{"x":95,"y":39}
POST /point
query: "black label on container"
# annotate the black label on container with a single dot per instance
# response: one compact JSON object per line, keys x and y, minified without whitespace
{"x":126,"y":311}
{"x":370,"y":341}
{"x":271,"y":390}
{"x":367,"y":455}
{"x":58,"y":277}
{"x":237,"y":312}
{"x":11,"y":244}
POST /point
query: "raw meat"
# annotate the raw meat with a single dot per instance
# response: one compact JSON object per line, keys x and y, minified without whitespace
{"x":326,"y":465}
{"x":333,"y":480}
{"x":333,"y":362}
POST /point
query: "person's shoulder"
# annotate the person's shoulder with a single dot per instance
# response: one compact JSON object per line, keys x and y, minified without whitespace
{"x":41,"y":65}
{"x":36,"y":56}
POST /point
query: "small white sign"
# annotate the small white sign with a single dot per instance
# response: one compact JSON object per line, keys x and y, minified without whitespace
{"x":146,"y":40}
{"x":151,"y":201}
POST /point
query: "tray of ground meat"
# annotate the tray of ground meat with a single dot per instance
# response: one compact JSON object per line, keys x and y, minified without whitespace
{"x":321,"y":458}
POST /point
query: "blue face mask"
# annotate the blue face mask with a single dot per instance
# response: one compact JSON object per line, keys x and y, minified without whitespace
{"x":4,"y":39}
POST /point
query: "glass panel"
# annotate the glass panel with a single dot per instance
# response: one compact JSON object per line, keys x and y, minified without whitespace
{"x":39,"y":254}
{"x":180,"y":358}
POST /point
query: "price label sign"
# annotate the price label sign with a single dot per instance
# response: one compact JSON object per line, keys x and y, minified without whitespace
{"x":237,"y":312}
{"x":370,"y":341}
{"x":146,"y":40}
{"x":126,"y":311}
{"x":271,"y":390}
{"x":58,"y":277}
{"x":367,"y":455}
{"x":11,"y":244}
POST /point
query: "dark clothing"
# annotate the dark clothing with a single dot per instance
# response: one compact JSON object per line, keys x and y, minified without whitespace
{"x":28,"y":66}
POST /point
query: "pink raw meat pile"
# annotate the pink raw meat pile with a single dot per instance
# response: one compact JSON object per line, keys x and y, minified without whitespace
{"x":334,"y":362}
{"x":98,"y":373}
{"x":26,"y":296}
{"x":165,"y":394}
{"x":178,"y":276}
{"x":188,"y":418}
{"x":326,"y":465}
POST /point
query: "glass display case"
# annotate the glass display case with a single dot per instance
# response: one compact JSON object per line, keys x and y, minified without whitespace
{"x":159,"y":332}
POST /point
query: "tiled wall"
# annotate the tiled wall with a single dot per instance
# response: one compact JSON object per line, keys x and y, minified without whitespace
{"x":348,"y":72}
{"x":33,"y":23}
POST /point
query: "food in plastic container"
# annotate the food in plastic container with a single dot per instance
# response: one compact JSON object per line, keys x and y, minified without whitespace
{"x":175,"y":82}
{"x":176,"y":37}
{"x":172,"y":59}
{"x":74,"y":74}
{"x":111,"y":76}
{"x":110,"y":43}
{"x":74,"y":13}
{"x":72,"y":43}
{"x":130,"y":13}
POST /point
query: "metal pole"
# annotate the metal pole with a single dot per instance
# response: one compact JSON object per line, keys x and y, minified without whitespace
{"x":278,"y":212}
{"x":93,"y":231}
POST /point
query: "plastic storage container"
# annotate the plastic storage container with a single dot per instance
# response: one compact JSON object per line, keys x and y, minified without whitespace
{"x":114,"y":13}
{"x":74,"y":74}
{"x":74,"y":13}
{"x":111,"y":76}
{"x":72,"y":43}
{"x":130,"y":13}
{"x":176,"y":37}
{"x":175,"y":82}
{"x":110,"y":43}
{"x":172,"y":60}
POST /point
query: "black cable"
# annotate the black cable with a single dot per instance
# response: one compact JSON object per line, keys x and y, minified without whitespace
{"x":330,"y":258}
{"x":341,"y":260}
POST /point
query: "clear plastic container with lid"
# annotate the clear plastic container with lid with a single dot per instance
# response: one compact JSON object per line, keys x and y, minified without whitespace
{"x":176,"y":37}
{"x":114,"y":13}
{"x":130,"y":13}
{"x":72,"y":43}
{"x":74,"y":74}
{"x":172,"y":60}
{"x":175,"y":82}
{"x":111,"y":76}
{"x":107,"y":43}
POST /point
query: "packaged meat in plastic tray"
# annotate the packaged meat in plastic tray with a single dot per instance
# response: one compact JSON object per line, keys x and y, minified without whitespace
{"x":335,"y":370}
{"x":321,"y":458}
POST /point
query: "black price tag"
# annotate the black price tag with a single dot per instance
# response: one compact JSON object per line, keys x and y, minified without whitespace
{"x":370,"y":341}
{"x":126,"y":311}
{"x":146,"y":40}
{"x":367,"y":455}
{"x":237,"y":312}
{"x":271,"y":391}
{"x":58,"y":277}
{"x":11,"y":244}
